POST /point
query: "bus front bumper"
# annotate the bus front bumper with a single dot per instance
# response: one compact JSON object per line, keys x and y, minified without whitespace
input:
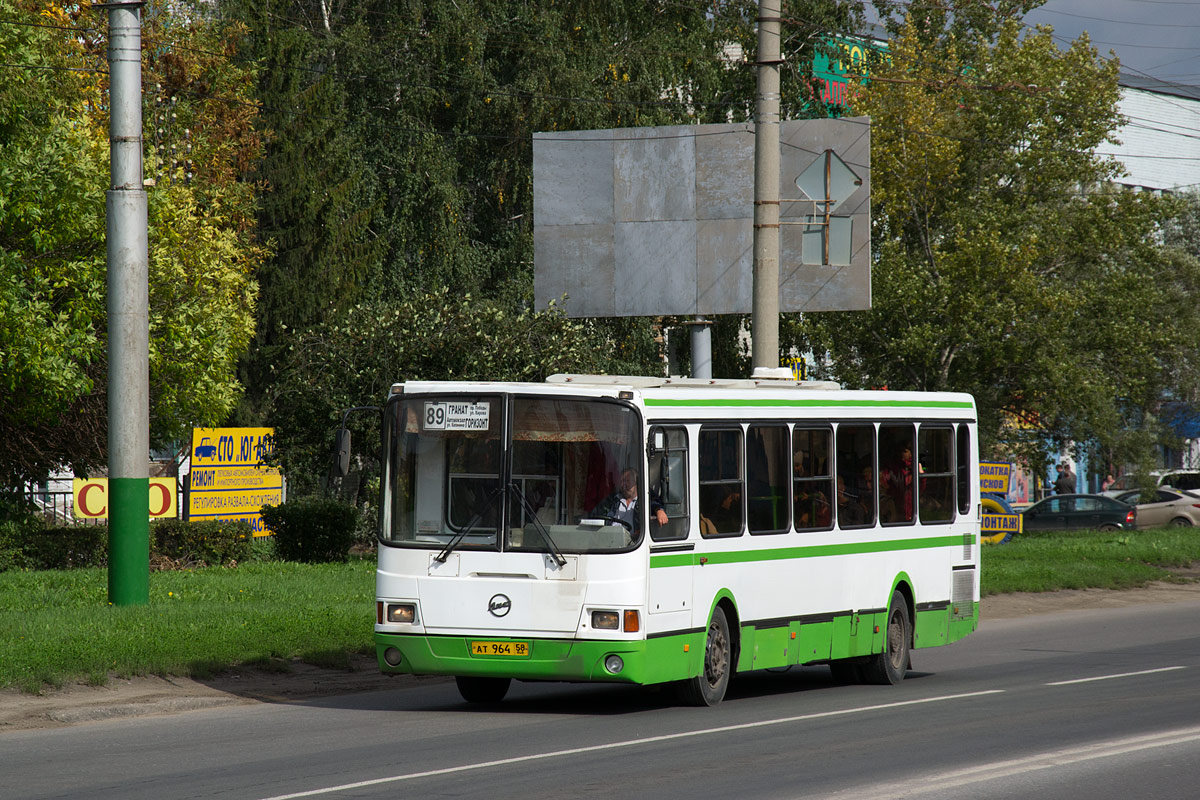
{"x":523,"y":659}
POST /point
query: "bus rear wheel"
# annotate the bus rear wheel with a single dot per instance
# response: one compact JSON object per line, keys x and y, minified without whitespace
{"x":889,"y":666}
{"x":708,"y":688}
{"x":482,"y":690}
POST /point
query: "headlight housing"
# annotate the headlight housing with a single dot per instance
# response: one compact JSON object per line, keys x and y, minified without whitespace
{"x":606,"y":620}
{"x":395,"y":613}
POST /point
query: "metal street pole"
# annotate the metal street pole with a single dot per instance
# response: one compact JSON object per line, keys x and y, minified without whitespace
{"x":765,"y":317}
{"x":128,"y":317}
{"x":701,"y":347}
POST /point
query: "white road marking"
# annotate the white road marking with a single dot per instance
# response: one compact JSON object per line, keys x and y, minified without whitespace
{"x":1119,"y":675}
{"x":1008,"y":768}
{"x":628,"y":743}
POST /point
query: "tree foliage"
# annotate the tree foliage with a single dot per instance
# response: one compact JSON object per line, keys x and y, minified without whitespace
{"x":54,"y":167}
{"x":1005,"y":263}
{"x":436,"y":335}
{"x":440,"y":99}
{"x":315,"y":192}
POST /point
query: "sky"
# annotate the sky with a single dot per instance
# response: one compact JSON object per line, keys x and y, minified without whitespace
{"x":1152,"y":38}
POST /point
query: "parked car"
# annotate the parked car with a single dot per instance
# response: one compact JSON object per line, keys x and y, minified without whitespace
{"x":1188,"y":480}
{"x":1173,"y":478}
{"x":1062,"y":512}
{"x":1167,"y":507}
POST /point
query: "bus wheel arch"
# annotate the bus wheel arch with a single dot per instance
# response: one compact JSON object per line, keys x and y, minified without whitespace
{"x":890,"y":665}
{"x":904,"y":587}
{"x":718,"y":661}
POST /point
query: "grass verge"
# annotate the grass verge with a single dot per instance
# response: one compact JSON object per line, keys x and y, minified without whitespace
{"x":1045,"y":561}
{"x":57,"y":627}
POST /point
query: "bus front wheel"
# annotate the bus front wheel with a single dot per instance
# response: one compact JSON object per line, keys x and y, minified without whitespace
{"x":482,"y":690}
{"x":889,"y":666}
{"x":708,"y":688}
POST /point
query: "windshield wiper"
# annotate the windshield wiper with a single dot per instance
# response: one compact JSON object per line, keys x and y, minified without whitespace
{"x":530,"y":514}
{"x":465,"y":529}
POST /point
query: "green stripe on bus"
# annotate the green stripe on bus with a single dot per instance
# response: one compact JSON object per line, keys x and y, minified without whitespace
{"x":762,"y":402}
{"x":812,"y":551}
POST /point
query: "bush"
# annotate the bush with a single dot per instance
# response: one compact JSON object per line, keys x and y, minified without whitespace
{"x":176,"y":543}
{"x":366,"y":528}
{"x":64,"y":547}
{"x":314,"y":530}
{"x":12,"y":537}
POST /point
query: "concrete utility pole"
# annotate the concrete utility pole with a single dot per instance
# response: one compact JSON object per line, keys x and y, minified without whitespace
{"x":701,"y":346}
{"x":128,"y":318}
{"x":765,"y":316}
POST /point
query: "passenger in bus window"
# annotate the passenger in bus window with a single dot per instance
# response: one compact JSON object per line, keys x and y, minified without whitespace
{"x":866,"y":493}
{"x":812,"y":509}
{"x":849,"y":509}
{"x":896,"y":500}
{"x":622,"y":504}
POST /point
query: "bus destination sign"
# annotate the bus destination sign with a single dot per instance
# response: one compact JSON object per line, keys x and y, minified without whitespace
{"x":457,"y":416}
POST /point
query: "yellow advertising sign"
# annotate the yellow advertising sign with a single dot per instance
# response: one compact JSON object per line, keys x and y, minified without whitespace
{"x":995,"y":477}
{"x":994,"y":524}
{"x":228,"y":479}
{"x":91,"y":497}
{"x":999,"y":528}
{"x":799,"y":368}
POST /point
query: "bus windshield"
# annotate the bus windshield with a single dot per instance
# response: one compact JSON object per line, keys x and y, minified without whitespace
{"x":512,"y":472}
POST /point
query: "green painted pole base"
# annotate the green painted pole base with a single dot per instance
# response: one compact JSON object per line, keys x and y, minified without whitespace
{"x":128,"y":541}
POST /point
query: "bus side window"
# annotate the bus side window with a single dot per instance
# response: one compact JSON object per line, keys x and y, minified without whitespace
{"x":935,"y":473}
{"x":812,"y":483}
{"x":722,"y":495}
{"x":896,"y":465}
{"x":856,"y":471}
{"x":669,"y":484}
{"x":963,"y":463}
{"x":767,"y":479}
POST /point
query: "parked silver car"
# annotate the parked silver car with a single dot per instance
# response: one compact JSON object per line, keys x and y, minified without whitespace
{"x":1176,"y":507}
{"x":1170,"y":478}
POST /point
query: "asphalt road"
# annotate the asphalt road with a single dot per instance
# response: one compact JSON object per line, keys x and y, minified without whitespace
{"x":1098,"y":704}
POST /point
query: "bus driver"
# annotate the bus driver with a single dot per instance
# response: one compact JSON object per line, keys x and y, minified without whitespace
{"x":622,"y":504}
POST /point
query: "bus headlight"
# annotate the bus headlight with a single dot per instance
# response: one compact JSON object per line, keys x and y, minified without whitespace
{"x":614,"y":663}
{"x":605,"y":620}
{"x":402,"y":612}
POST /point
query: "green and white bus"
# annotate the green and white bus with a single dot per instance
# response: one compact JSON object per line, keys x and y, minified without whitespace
{"x":775,"y":523}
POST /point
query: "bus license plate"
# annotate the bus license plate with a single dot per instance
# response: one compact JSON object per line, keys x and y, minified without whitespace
{"x":518,"y":649}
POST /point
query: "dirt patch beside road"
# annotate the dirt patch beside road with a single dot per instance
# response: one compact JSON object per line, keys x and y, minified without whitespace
{"x":79,"y":703}
{"x":1019,"y":604}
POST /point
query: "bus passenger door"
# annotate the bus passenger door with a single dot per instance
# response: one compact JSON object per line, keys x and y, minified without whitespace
{"x":670,"y":552}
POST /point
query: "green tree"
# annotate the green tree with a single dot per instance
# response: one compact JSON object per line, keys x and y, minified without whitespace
{"x":440,"y":100}
{"x":54,"y":167}
{"x":51,"y":247}
{"x":205,"y":250}
{"x":437,"y":334}
{"x":1005,"y":263}
{"x":315,"y":194}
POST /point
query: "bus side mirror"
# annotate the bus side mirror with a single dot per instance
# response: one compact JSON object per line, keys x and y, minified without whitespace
{"x":342,"y":448}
